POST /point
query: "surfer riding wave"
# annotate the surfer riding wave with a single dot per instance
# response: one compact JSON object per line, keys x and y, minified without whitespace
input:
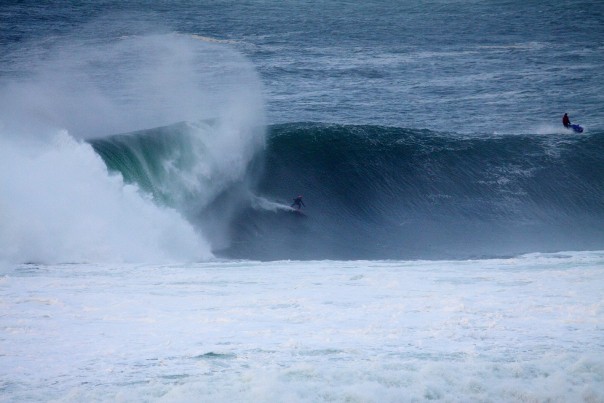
{"x":298,"y":203}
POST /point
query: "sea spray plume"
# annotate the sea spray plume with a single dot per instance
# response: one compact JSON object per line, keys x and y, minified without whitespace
{"x":96,"y":88}
{"x":200,"y":165}
{"x":61,"y":205}
{"x":115,"y":86}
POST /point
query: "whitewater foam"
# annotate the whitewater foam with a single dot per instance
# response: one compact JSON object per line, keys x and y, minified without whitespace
{"x":61,"y":205}
{"x":521,"y":329}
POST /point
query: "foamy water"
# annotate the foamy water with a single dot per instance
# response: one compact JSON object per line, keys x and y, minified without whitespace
{"x":521,"y":329}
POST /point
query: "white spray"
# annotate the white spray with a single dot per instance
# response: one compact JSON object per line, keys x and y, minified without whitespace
{"x":58,"y":202}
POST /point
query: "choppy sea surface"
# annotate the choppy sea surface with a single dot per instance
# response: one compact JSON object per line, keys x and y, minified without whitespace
{"x":451,"y":244}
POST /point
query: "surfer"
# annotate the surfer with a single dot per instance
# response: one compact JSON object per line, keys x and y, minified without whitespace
{"x":566,"y":120}
{"x":298,"y":202}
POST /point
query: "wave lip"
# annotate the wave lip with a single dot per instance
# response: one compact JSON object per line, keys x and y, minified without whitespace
{"x":185,"y":164}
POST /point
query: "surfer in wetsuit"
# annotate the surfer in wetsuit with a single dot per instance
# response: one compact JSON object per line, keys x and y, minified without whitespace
{"x":298,"y":203}
{"x":566,"y":120}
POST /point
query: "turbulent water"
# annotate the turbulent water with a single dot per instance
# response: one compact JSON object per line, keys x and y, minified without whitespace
{"x":450,"y":243}
{"x":521,"y":329}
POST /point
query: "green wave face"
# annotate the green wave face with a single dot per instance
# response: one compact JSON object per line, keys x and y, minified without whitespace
{"x":180,"y":164}
{"x":156,"y":160}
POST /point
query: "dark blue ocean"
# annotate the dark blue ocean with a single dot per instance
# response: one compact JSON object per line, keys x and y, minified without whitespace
{"x":496,"y":66}
{"x":454,"y":66}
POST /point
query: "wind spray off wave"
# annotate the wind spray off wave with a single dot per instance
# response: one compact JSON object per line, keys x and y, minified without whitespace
{"x":63,"y":204}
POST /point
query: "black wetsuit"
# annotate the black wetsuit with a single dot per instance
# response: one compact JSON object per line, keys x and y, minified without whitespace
{"x":298,"y":203}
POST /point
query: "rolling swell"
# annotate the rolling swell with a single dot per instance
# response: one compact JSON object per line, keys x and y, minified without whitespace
{"x":381,"y":192}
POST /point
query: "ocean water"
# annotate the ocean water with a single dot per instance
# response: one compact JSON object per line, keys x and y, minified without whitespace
{"x":451,"y":244}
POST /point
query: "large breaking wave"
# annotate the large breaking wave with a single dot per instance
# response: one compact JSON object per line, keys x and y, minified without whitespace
{"x":95,"y":166}
{"x":381,"y":192}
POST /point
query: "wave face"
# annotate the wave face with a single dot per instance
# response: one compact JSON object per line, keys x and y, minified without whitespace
{"x":374,"y":192}
{"x":384,"y":193}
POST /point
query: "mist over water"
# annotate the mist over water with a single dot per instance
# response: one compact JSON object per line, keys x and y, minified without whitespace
{"x":59,"y":200}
